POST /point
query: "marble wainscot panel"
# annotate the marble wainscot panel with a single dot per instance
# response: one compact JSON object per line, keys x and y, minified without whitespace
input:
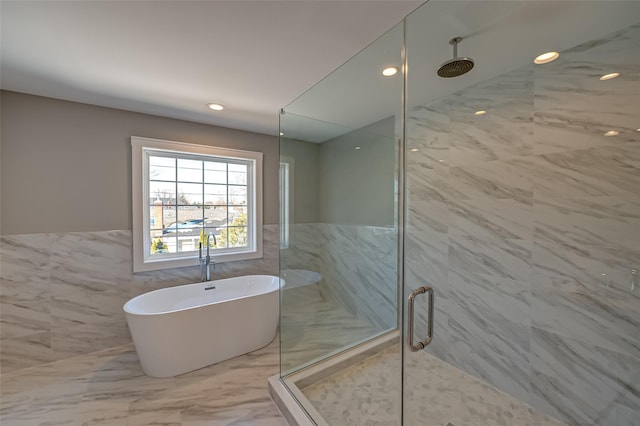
{"x":537,"y":210}
{"x":62,"y":294}
{"x":359,"y":269}
{"x":304,"y":248}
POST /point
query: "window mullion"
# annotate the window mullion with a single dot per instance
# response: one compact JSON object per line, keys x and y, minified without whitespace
{"x":227,"y":233}
{"x":175,"y":206}
{"x":202,"y":202}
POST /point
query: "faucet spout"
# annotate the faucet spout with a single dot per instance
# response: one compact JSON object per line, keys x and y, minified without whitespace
{"x":206,"y":261}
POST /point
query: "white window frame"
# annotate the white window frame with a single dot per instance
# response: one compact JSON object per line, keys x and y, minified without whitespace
{"x":286,"y":173}
{"x":142,"y":259}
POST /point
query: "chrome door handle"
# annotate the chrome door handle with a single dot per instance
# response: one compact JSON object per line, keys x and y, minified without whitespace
{"x":420,"y":345}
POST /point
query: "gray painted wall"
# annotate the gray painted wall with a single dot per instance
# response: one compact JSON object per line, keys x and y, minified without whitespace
{"x":357,"y":185}
{"x":66,"y":166}
{"x":305,"y":157}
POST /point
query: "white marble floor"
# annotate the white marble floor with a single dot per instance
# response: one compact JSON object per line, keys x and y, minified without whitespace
{"x":109,"y":388}
{"x":436,"y":394}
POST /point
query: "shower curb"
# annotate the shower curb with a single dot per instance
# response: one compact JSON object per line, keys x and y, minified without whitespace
{"x":290,"y":399}
{"x":287,"y":404}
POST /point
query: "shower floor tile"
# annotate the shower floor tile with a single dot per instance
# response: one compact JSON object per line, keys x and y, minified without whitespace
{"x":436,"y":394}
{"x":109,"y":388}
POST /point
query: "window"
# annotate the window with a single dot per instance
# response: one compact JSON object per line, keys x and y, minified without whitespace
{"x":183,"y":192}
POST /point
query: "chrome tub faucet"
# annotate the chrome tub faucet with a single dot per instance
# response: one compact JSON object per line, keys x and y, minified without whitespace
{"x":205,"y":261}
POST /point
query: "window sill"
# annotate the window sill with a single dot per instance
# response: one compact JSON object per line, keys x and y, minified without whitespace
{"x":192,"y":261}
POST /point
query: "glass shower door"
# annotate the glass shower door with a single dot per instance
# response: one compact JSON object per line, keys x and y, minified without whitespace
{"x":522,"y":215}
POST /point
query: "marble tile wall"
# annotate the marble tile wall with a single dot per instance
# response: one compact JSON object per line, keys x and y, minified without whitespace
{"x":62,"y":294}
{"x":360,"y":269}
{"x":526,"y":221}
{"x":357,"y":264}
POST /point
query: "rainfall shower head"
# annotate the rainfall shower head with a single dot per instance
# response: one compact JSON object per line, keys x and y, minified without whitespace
{"x":457,"y":66}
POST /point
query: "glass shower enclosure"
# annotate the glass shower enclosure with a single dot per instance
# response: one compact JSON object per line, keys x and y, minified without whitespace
{"x":465,"y":250}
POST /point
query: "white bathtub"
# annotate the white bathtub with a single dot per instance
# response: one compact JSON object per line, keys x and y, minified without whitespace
{"x":180,"y":329}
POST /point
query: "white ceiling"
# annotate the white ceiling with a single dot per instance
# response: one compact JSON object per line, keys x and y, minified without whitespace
{"x":500,"y":35}
{"x":171,"y":58}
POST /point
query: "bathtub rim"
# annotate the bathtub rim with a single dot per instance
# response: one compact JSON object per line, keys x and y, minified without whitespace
{"x":151,"y":314}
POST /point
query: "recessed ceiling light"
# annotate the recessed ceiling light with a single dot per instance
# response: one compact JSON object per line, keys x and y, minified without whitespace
{"x":612,"y":133}
{"x":610,"y":76}
{"x":481,"y":112}
{"x":414,"y":150}
{"x":390,"y":71}
{"x":357,"y":147}
{"x":215,"y":107}
{"x":546,"y":57}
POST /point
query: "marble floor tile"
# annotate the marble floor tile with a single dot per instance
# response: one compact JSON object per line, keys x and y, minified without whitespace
{"x":109,"y":388}
{"x":364,"y":393}
{"x":155,"y":418}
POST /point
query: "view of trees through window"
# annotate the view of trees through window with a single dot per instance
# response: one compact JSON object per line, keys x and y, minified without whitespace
{"x":189,"y":196}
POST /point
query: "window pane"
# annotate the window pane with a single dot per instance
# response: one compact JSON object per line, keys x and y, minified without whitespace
{"x":215,"y":172}
{"x":188,"y":242}
{"x":168,"y":218}
{"x":214,"y":241}
{"x":237,"y":216}
{"x":242,"y":168}
{"x":215,"y":216}
{"x":237,"y":178}
{"x":162,"y":168}
{"x":189,"y":193}
{"x":189,"y":170}
{"x":190,"y":219}
{"x":155,"y":232}
{"x":221,"y":238}
{"x":237,"y":236}
{"x":162,"y":244}
{"x":238,"y":195}
{"x":215,"y":194}
{"x":160,"y":216}
{"x":164,"y":191}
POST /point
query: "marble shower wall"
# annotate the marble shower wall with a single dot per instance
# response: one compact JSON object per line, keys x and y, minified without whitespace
{"x":526,"y":221}
{"x":62,"y":294}
{"x":358,"y":265}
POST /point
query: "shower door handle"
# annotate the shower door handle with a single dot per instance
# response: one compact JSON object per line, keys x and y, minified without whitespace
{"x":420,"y":345}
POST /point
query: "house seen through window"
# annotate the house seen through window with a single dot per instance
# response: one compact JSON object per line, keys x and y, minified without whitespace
{"x":191,"y":197}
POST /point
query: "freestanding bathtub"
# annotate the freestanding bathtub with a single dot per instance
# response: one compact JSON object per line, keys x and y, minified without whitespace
{"x":180,"y":329}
